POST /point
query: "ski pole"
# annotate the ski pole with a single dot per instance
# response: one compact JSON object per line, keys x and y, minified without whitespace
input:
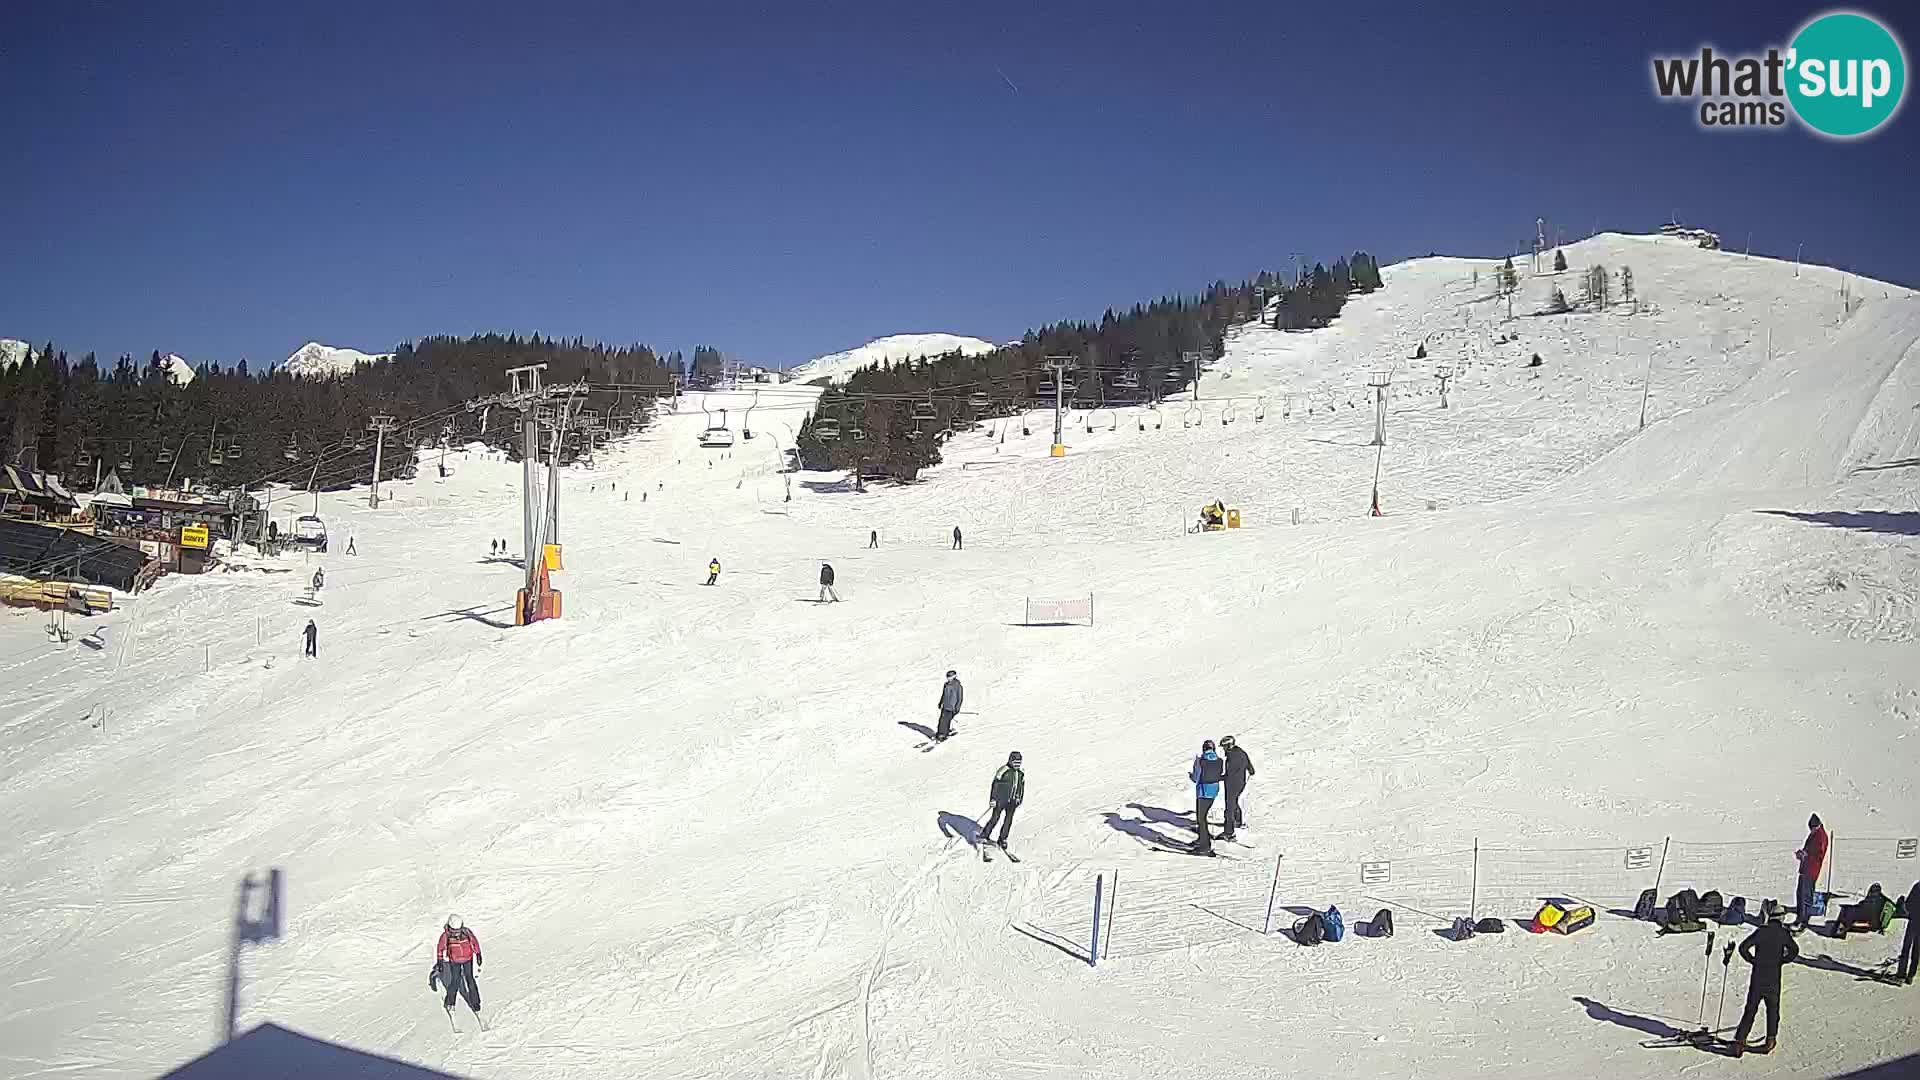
{"x":1706,"y":973}
{"x":1726,"y":961}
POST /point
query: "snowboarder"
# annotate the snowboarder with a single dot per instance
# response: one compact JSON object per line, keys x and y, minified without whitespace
{"x":950,"y":697}
{"x":350,"y":550}
{"x":826,"y":584}
{"x":313,"y":640}
{"x":1812,"y":856}
{"x":957,"y":544}
{"x":1009,"y":788}
{"x":454,"y":959}
{"x":1206,"y":773}
{"x":713,"y":571}
{"x":1910,"y":945}
{"x":1239,"y":767}
{"x":1769,"y":949}
{"x":873,"y":538}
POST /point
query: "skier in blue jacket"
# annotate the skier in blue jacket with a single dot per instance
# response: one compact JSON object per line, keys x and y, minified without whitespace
{"x":1206,"y":775}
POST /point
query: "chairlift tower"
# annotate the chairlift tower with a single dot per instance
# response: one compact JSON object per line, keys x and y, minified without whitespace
{"x":1060,"y":365}
{"x":381,"y":426}
{"x":1194,"y":356}
{"x":1380,"y":380}
{"x":536,"y":404}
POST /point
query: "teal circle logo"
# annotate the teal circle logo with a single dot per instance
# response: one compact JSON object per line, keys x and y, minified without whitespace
{"x":1847,"y":74}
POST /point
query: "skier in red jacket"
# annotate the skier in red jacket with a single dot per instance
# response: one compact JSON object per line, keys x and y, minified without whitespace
{"x":1812,"y":856}
{"x":455,"y":957}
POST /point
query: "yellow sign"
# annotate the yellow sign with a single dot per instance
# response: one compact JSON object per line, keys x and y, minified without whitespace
{"x":193,"y":536}
{"x":552,"y":556}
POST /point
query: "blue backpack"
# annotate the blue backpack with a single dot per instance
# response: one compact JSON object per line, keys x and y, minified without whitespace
{"x":1336,"y":925}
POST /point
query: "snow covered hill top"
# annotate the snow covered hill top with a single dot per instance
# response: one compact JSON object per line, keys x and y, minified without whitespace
{"x":178,"y":369}
{"x":894,"y":347}
{"x":316,"y":361}
{"x":12,"y":351}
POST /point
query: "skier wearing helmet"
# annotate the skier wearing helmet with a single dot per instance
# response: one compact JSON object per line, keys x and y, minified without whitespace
{"x":1239,"y":767}
{"x":1206,"y":774}
{"x":1009,"y":788}
{"x":455,"y":957}
{"x":951,"y":696}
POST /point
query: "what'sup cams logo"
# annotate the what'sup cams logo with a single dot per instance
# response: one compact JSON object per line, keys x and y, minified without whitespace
{"x":1843,"y":76}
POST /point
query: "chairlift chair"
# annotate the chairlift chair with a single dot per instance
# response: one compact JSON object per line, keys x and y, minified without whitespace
{"x":215,"y":456}
{"x":826,"y":430}
{"x":166,"y":455}
{"x":1260,"y":410}
{"x":978,"y":400}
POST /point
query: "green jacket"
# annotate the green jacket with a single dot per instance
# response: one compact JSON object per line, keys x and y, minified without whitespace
{"x":1009,"y":786}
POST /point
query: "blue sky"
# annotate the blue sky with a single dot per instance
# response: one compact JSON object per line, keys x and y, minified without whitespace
{"x":229,"y":181}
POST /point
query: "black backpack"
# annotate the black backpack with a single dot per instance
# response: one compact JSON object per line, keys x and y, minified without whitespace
{"x":1311,"y":930}
{"x":1643,"y":908}
{"x":1711,"y":905}
{"x":1382,"y":924}
{"x":1682,"y":907}
{"x":1489,"y":925}
{"x":1462,"y":928}
{"x":1736,"y":912}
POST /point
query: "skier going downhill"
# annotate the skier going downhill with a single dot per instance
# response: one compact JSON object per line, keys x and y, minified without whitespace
{"x":313,"y":639}
{"x":1009,"y":788}
{"x":951,"y":695}
{"x":826,"y":584}
{"x":1206,"y":773}
{"x":958,"y":541}
{"x":713,"y":571}
{"x":1239,"y":767}
{"x":455,"y":958}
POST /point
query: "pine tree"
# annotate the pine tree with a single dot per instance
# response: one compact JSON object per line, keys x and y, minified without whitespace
{"x":1559,"y":261}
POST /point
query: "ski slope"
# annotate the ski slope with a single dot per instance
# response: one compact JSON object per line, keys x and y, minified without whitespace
{"x":693,"y":831}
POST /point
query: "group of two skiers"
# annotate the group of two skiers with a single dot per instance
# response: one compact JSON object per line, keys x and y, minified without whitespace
{"x":1226,"y":766}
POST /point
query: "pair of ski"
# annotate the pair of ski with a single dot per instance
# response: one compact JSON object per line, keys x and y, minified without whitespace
{"x":928,"y":746}
{"x":455,"y":1024}
{"x":986,"y":852}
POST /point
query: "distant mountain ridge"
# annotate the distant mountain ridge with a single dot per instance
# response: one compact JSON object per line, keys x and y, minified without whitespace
{"x":316,"y":361}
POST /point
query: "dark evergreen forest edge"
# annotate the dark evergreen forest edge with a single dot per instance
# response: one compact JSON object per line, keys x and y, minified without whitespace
{"x":232,"y":427}
{"x":889,"y":420}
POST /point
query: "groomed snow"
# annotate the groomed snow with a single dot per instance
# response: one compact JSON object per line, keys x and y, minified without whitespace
{"x":693,"y":831}
{"x":891,"y":349}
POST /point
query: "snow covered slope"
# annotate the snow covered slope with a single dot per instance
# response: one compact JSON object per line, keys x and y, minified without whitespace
{"x":696,"y":834}
{"x":13,"y":352}
{"x":893,"y":348}
{"x":316,"y":361}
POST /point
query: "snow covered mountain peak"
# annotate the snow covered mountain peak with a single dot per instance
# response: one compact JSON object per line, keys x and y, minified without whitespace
{"x":316,"y":361}
{"x":178,"y":369}
{"x":889,"y":349}
{"x":13,"y":352}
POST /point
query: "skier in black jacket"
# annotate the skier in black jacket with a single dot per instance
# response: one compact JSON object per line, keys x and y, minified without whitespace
{"x":826,"y":584}
{"x":1910,"y":945}
{"x":1238,"y":768}
{"x":1769,"y":949}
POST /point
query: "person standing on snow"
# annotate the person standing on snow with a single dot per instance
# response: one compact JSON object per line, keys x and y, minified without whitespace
{"x":1812,"y":856}
{"x":1769,"y":949}
{"x":454,"y":960}
{"x":957,"y":545}
{"x":1903,"y":971}
{"x":713,"y":571}
{"x":1239,"y":767}
{"x":350,"y":550}
{"x":951,"y":695}
{"x":313,"y":640}
{"x":1009,"y":788}
{"x":873,"y":538}
{"x":1206,"y":773}
{"x":826,"y":584}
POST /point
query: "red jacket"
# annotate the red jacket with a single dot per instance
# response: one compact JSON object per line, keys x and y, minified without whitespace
{"x":458,"y":946}
{"x":1814,"y":855}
